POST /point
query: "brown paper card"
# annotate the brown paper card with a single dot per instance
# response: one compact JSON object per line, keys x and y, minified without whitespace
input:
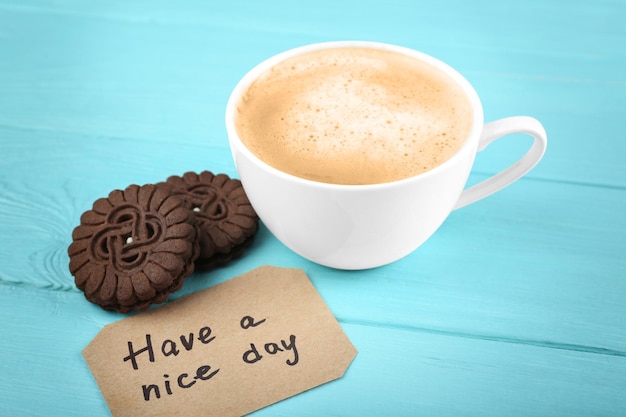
{"x":225,"y":351}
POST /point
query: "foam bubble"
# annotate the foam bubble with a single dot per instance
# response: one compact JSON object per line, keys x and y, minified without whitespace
{"x":354,"y":116}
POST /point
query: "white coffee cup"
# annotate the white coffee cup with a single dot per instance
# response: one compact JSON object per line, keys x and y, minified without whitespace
{"x":366,"y":226}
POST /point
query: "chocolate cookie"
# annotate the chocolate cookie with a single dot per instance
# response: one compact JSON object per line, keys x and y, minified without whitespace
{"x":133,"y":248}
{"x":224,"y":215}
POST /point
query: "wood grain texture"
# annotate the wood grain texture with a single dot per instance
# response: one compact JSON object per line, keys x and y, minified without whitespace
{"x":514,"y":307}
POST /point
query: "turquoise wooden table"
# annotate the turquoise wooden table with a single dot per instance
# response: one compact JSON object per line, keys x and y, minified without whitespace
{"x":515,"y":307}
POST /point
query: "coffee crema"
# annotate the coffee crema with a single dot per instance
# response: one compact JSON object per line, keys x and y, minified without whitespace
{"x":354,"y":116}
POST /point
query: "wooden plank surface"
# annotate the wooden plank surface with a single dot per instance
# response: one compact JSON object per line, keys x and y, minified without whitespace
{"x":514,"y":307}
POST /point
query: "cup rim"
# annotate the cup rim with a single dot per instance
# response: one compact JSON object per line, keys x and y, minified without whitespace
{"x":468,"y":146}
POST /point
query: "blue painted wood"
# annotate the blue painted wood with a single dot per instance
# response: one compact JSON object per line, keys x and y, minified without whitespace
{"x":514,"y":307}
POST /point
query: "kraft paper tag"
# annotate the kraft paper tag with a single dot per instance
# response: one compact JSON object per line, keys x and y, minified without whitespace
{"x":225,"y":351}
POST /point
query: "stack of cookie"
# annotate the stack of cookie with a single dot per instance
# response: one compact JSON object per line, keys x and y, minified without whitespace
{"x":135,"y":247}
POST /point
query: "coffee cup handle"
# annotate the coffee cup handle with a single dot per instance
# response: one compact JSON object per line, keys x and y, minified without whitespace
{"x":496,"y":130}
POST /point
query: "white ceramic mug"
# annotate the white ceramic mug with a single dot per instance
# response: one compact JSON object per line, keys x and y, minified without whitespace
{"x":365,"y":226}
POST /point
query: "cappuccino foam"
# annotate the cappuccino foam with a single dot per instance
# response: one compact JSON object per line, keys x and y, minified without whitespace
{"x":354,"y":116}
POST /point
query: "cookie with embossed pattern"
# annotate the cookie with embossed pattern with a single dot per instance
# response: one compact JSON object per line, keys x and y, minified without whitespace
{"x":133,"y":248}
{"x":224,"y":214}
